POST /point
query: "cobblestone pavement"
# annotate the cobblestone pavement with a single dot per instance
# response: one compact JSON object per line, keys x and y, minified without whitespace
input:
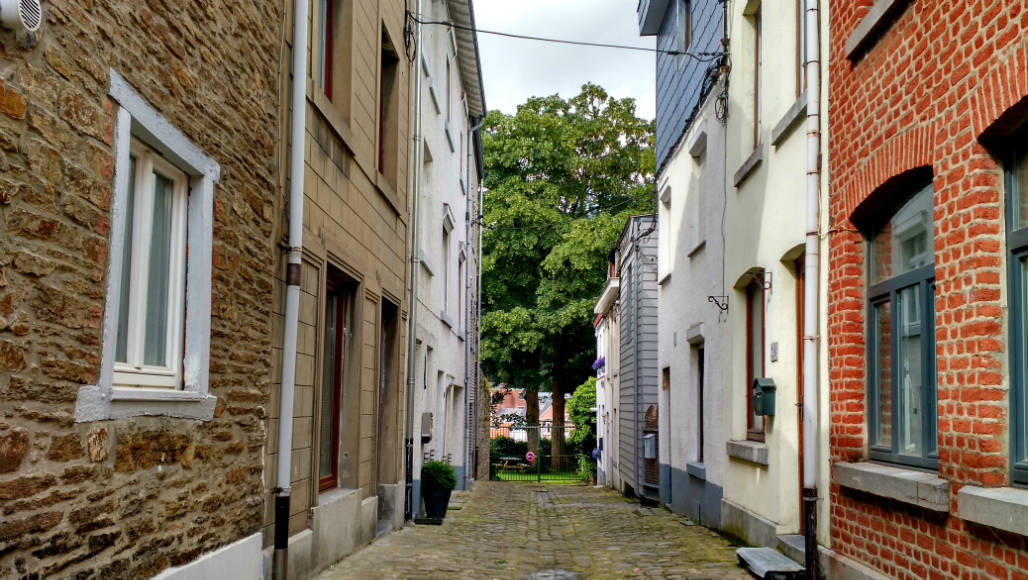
{"x":551,"y":532}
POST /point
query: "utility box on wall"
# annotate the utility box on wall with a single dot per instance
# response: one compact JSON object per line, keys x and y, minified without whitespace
{"x":426,"y":427}
{"x":764,"y":396}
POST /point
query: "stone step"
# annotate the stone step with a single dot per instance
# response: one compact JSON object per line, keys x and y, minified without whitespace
{"x":769,"y":564}
{"x":794,"y":546}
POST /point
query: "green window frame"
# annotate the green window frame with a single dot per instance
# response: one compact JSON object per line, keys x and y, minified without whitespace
{"x":1016,"y":186}
{"x":902,"y":410}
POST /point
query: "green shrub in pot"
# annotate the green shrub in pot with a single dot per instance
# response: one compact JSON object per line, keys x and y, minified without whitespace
{"x":437,"y":481}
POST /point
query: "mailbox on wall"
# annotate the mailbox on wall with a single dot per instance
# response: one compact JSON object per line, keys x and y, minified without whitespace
{"x":764,"y":396}
{"x":650,"y":446}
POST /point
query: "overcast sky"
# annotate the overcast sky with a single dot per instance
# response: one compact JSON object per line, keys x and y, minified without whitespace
{"x":514,"y":69}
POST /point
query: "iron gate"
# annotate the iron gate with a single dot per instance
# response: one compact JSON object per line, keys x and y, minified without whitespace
{"x":539,"y":453}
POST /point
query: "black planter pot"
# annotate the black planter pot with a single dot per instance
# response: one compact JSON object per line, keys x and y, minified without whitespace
{"x":436,"y":502}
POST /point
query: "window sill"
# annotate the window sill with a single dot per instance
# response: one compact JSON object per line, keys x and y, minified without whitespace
{"x":1003,"y":508}
{"x":749,"y":165}
{"x":868,"y":27}
{"x":697,"y":249}
{"x":449,"y":136}
{"x":389,"y":193}
{"x":665,"y":279}
{"x":752,"y":451}
{"x":423,"y":260}
{"x":920,"y":488}
{"x":335,"y":494}
{"x":446,"y":319}
{"x":696,"y":469}
{"x":790,"y":120}
{"x":338,"y":123}
{"x":96,"y":403}
{"x":435,"y":97}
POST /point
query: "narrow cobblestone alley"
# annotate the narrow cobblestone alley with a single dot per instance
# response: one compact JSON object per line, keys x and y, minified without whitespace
{"x":510,"y":530}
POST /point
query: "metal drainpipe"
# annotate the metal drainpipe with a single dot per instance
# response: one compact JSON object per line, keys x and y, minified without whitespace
{"x":478,"y":295}
{"x":811,"y":264}
{"x":635,"y":361}
{"x":467,"y":305}
{"x":298,"y":127}
{"x":412,"y":318}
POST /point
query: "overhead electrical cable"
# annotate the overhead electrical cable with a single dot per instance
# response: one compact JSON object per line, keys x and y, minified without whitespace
{"x":700,"y":56}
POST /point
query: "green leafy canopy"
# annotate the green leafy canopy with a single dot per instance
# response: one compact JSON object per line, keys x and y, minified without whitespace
{"x":581,"y":413}
{"x":561,"y":177}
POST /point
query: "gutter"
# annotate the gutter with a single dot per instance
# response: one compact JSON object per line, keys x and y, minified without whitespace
{"x":473,"y":430}
{"x":415,"y":249}
{"x":811,"y":266}
{"x":298,"y":126}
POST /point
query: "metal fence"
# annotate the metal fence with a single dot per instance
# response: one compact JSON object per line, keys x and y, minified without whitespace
{"x":539,"y":453}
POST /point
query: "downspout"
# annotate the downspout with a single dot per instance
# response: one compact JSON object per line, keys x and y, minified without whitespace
{"x":636,"y":387}
{"x":473,"y":430}
{"x":478,"y":294}
{"x":297,"y":128}
{"x":811,"y":265}
{"x":415,"y":262}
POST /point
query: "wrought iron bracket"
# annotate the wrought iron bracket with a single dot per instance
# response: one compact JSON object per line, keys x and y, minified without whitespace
{"x":720,"y":301}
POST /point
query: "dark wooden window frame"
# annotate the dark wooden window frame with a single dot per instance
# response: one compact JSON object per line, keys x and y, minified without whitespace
{"x":755,"y":286}
{"x":332,"y":287}
{"x":757,"y":41}
{"x":329,"y":47}
{"x":388,"y":84}
{"x":801,"y":38}
{"x":801,"y":283}
{"x":699,"y":402}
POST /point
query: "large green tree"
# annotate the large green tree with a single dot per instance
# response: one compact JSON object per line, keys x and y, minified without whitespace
{"x":562,"y":177}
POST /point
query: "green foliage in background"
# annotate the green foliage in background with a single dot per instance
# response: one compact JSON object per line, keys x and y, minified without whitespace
{"x":562,"y":178}
{"x":580,"y":411}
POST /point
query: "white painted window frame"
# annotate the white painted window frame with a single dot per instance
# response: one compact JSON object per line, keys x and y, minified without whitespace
{"x":133,"y":372}
{"x":135,"y":119}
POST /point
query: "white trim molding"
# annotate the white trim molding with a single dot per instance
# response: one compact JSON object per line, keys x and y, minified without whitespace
{"x":136,"y":119}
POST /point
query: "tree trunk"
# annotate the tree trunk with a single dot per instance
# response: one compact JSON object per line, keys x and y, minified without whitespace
{"x":561,"y":461}
{"x":532,"y":422}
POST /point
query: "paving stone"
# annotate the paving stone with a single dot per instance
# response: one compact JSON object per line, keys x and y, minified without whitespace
{"x":528,"y":531}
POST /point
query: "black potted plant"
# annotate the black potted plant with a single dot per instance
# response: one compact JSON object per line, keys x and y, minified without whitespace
{"x":437,"y":481}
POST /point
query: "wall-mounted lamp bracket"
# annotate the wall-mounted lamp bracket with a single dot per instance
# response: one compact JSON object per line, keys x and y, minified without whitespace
{"x":720,"y":301}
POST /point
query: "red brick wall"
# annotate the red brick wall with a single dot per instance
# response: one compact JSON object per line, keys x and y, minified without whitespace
{"x":921,"y":95}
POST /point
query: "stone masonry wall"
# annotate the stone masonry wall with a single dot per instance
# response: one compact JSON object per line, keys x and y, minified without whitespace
{"x":128,"y":498}
{"x":920,"y":95}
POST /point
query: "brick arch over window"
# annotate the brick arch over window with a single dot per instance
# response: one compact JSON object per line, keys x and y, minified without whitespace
{"x":1000,"y":100}
{"x":905,"y":151}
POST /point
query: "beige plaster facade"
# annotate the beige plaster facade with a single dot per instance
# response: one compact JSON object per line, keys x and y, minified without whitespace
{"x":347,"y":462}
{"x":766,"y":199}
